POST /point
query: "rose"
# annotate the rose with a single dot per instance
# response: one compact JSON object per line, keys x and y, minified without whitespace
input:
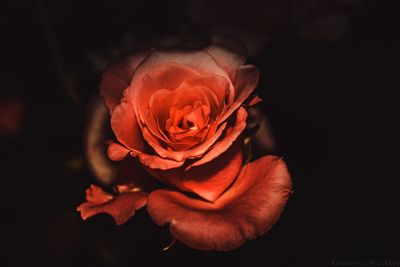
{"x":179,"y":117}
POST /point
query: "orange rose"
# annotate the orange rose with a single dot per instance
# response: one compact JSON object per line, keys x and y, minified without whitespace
{"x":178,"y":116}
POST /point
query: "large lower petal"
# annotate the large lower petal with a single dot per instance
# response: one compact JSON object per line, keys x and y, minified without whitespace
{"x":208,"y":181}
{"x":117,"y":78}
{"x":121,"y":207}
{"x":249,"y":208}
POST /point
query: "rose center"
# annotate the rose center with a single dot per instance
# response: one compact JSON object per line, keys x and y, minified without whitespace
{"x":187,"y":120}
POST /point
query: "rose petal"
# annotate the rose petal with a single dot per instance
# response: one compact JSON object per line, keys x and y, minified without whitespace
{"x":246,"y":80}
{"x":181,"y":156}
{"x":208,"y":181}
{"x":198,"y":61}
{"x":215,"y":87}
{"x":96,"y":195}
{"x":227,"y":59}
{"x":248,"y":209}
{"x":116,"y":152}
{"x":117,"y":78}
{"x":163,"y":101}
{"x":254,"y":101}
{"x":231,"y":135}
{"x":124,"y":125}
{"x":156,"y":162}
{"x":121,"y":207}
{"x":166,"y":77}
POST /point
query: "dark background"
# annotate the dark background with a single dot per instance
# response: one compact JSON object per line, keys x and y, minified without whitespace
{"x":329,"y":74}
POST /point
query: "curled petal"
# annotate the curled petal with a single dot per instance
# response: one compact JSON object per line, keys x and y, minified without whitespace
{"x":117,"y":152}
{"x":246,"y":80}
{"x":250,"y":207}
{"x":121,"y":207}
{"x":216,"y":88}
{"x":125,"y":127}
{"x":166,"y":77}
{"x":118,"y":77}
{"x":181,"y":156}
{"x":227,"y":59}
{"x":156,"y":162}
{"x":253,"y":101}
{"x":231,"y":135}
{"x":195,"y":61}
{"x":208,"y":181}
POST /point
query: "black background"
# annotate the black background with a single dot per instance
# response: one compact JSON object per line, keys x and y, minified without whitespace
{"x":330,"y":101}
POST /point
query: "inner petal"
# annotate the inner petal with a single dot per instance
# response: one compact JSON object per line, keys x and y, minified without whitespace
{"x":170,"y":109}
{"x":187,"y":126}
{"x":182,"y":118}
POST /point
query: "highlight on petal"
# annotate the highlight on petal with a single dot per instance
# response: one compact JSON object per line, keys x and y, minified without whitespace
{"x":208,"y":181}
{"x":121,"y":207}
{"x":117,"y":78}
{"x":249,"y":208}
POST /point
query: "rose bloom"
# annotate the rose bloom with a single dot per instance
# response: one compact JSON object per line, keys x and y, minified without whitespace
{"x":179,"y":117}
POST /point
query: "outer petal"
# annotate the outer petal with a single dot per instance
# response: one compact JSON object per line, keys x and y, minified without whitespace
{"x":248,"y":209}
{"x":199,"y":61}
{"x":121,"y":207}
{"x":246,"y":80}
{"x":231,"y":135}
{"x":116,"y":152}
{"x":208,"y":181}
{"x":155,"y":162}
{"x":125,"y":127}
{"x":227,"y":59}
{"x":117,"y":78}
